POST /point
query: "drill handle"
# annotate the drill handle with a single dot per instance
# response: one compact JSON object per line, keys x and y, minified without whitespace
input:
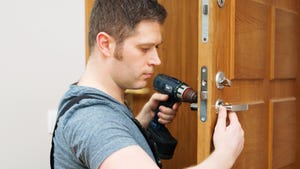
{"x":164,"y":140}
{"x":169,"y":103}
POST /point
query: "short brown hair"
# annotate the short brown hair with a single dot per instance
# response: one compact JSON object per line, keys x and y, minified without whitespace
{"x":119,"y":18}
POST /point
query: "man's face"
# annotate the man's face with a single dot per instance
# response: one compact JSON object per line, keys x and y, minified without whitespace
{"x":135,"y":59}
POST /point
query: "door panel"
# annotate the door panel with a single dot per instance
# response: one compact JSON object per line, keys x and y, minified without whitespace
{"x":291,"y":5}
{"x":284,"y":138}
{"x":251,"y":42}
{"x":255,"y":152}
{"x":286,"y":41}
{"x":262,"y":64}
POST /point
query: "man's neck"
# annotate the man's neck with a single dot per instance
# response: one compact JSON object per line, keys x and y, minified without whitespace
{"x":99,"y":79}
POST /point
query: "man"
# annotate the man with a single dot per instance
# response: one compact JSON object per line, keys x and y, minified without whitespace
{"x":100,"y":132}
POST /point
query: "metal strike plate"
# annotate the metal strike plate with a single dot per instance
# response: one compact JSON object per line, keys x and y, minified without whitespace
{"x":203,"y":94}
{"x":205,"y":20}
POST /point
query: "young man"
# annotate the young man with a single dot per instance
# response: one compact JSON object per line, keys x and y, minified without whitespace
{"x":100,"y":132}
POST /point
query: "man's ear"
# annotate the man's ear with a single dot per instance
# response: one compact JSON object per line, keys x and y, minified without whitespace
{"x":105,"y":43}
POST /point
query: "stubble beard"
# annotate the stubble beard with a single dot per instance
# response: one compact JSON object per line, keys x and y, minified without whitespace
{"x":118,"y":51}
{"x":118,"y":56}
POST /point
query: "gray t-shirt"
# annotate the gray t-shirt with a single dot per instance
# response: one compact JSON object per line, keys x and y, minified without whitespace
{"x":92,"y":130}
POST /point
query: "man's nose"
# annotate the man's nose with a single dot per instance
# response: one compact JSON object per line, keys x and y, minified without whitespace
{"x":154,"y":58}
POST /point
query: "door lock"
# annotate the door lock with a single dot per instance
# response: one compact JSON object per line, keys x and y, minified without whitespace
{"x":230,"y":107}
{"x":221,"y":3}
{"x":222,"y":81}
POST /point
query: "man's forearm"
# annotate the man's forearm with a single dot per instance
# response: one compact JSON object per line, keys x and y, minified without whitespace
{"x":215,"y":161}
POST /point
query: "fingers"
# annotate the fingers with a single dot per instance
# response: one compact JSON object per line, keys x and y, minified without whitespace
{"x":223,"y":121}
{"x":166,"y":115}
{"x":233,"y":118}
{"x":155,"y":99}
{"x":222,"y":115}
{"x":176,"y":106}
{"x":235,"y":124}
{"x":228,"y":135}
{"x":158,"y":97}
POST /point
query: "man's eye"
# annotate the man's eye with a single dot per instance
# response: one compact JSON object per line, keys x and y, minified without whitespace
{"x":145,"y":49}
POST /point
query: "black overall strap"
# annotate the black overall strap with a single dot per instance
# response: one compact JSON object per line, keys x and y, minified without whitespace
{"x":74,"y":100}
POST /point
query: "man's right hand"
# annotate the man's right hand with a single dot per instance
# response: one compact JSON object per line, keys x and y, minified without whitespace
{"x":228,"y":141}
{"x":228,"y":136}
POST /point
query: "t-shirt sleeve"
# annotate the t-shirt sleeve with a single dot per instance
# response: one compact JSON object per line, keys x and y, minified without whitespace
{"x":95,"y":135}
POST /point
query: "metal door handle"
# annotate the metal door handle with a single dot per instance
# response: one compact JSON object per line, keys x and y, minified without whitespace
{"x":230,"y":107}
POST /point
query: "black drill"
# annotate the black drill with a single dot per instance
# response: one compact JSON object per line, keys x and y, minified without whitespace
{"x":177,"y":91}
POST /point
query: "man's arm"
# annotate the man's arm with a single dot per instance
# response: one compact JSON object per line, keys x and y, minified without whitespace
{"x":228,"y":141}
{"x":132,"y":157}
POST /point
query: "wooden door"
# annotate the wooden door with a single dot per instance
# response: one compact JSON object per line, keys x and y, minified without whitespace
{"x":255,"y":43}
{"x":179,"y":55}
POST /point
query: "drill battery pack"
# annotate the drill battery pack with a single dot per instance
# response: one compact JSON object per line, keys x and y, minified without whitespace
{"x":165,"y":142}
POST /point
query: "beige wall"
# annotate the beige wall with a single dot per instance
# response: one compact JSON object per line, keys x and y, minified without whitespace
{"x":41,"y":51}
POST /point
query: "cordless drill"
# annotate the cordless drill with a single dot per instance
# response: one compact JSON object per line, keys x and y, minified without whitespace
{"x":177,"y":91}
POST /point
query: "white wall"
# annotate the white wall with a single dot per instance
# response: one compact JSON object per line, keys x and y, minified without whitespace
{"x":42,"y":52}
